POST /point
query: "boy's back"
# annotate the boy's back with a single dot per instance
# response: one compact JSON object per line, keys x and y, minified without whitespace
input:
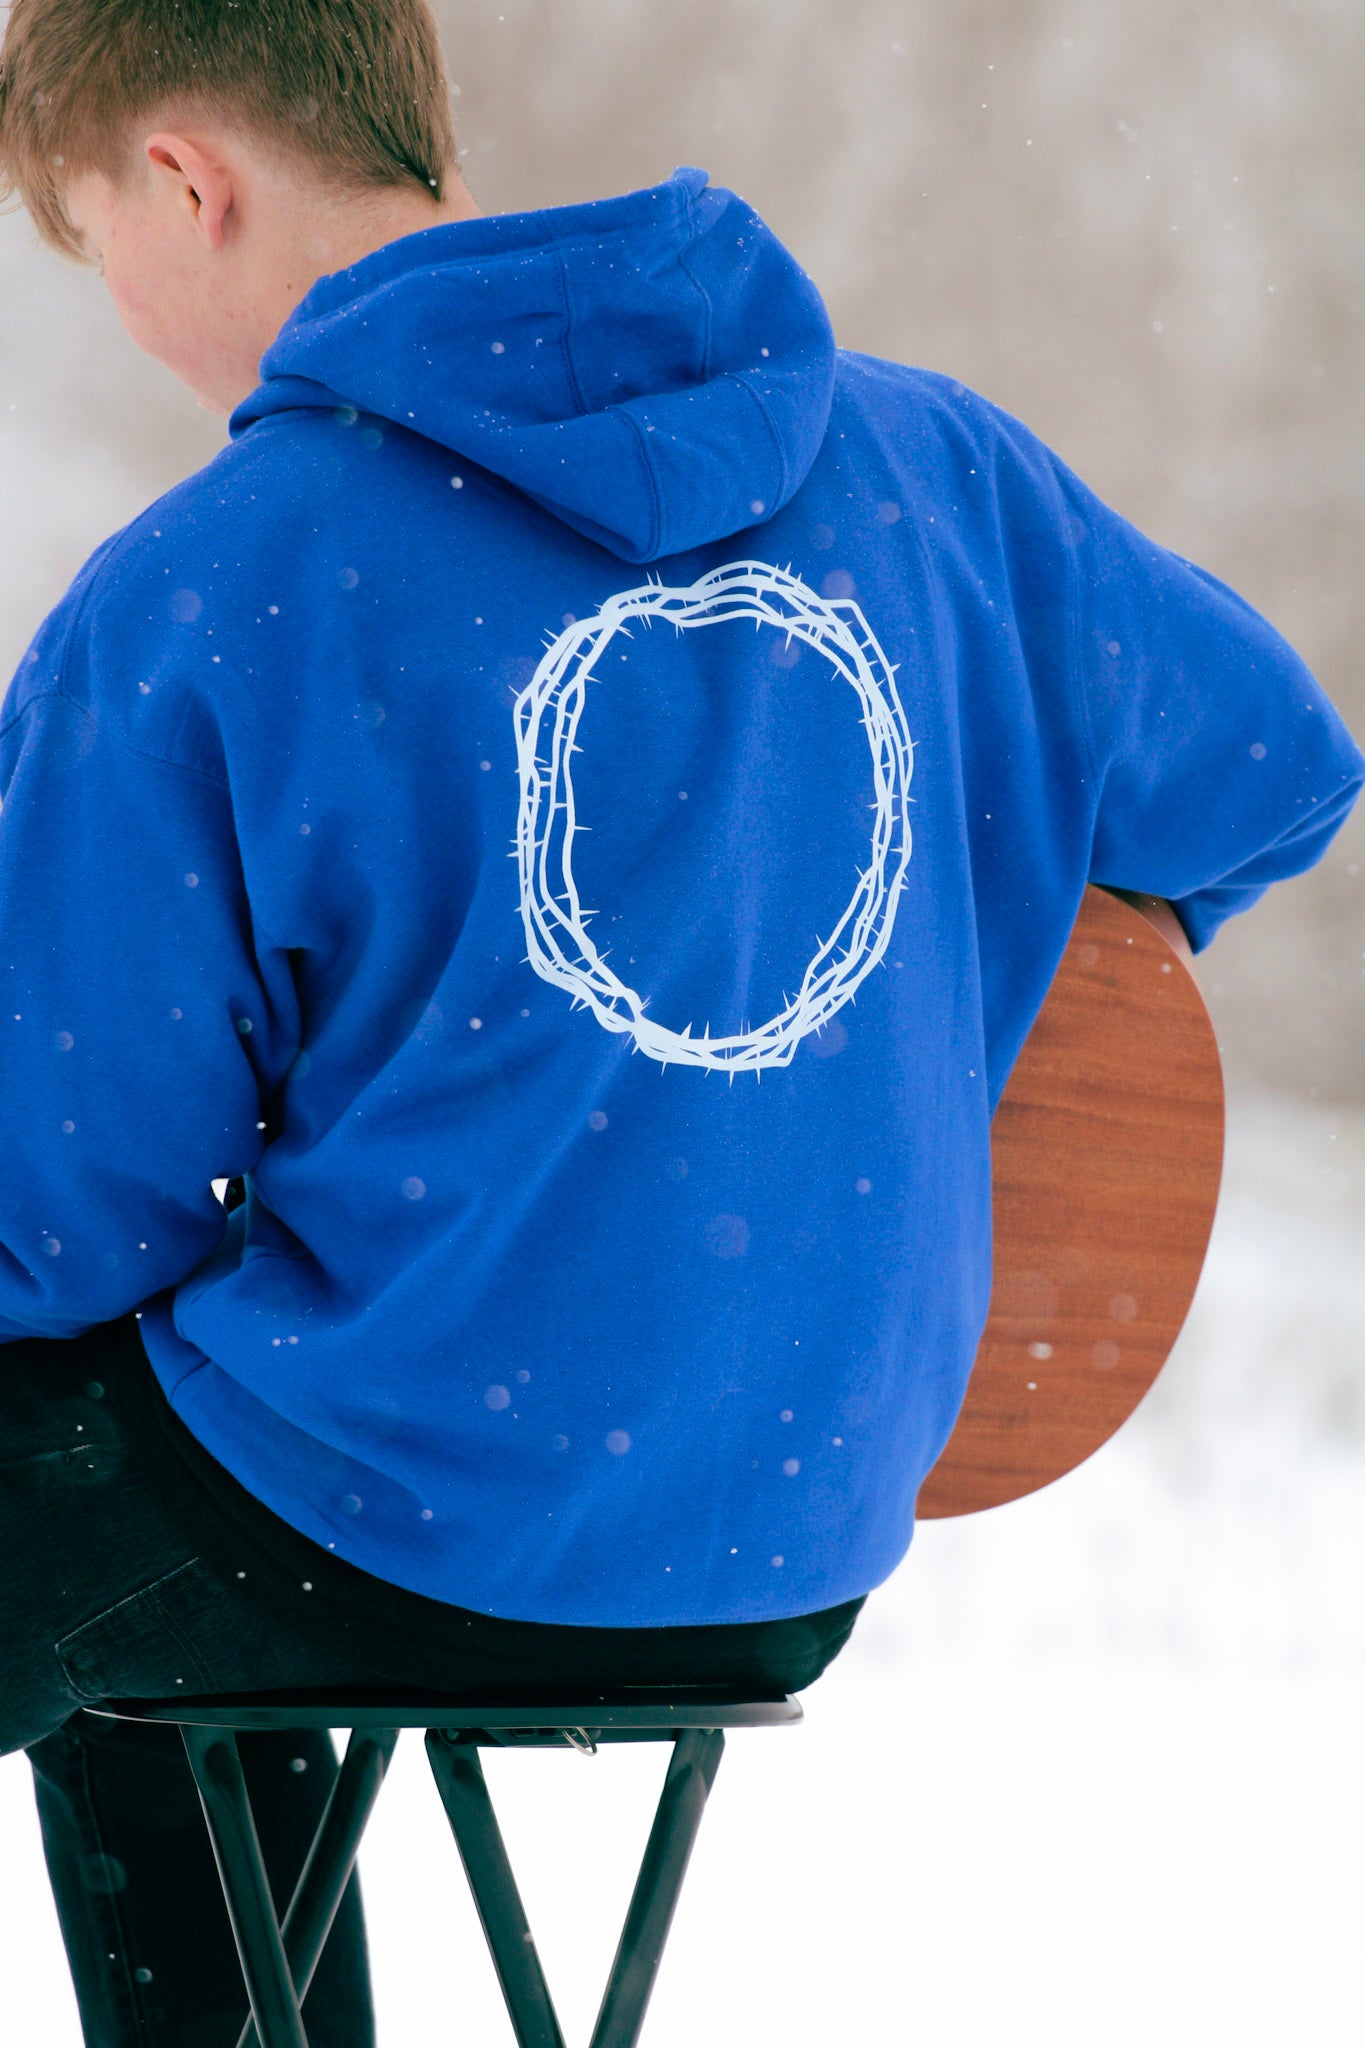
{"x":582,"y":802}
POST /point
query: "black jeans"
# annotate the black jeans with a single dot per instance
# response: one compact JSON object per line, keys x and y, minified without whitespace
{"x":100,"y":1598}
{"x":103,"y":1595}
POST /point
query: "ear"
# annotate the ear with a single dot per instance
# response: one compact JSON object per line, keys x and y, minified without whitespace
{"x":195,"y":178}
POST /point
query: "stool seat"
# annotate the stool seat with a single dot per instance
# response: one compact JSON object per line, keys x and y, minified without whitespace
{"x":279,"y":1957}
{"x":623,"y":1714}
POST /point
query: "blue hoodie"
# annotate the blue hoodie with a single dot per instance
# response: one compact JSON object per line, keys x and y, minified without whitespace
{"x":579,"y":803}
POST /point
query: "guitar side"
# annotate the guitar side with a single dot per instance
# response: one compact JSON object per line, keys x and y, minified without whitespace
{"x":1106,"y":1157}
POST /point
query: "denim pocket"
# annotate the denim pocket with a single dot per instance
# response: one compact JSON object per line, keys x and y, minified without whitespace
{"x":145,"y":1646}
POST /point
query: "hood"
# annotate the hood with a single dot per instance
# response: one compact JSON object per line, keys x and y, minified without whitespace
{"x":654,"y":369}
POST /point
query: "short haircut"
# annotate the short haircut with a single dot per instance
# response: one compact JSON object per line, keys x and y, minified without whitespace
{"x":353,"y":90}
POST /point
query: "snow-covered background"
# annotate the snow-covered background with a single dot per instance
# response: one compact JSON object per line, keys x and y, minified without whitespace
{"x":1092,"y":1765}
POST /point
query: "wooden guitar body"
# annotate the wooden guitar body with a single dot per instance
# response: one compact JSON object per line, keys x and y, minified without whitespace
{"x":1107,"y":1150}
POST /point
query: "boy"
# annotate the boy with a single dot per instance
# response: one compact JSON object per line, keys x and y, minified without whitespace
{"x":474,"y":816}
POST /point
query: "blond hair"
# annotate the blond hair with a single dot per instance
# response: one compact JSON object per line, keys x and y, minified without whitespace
{"x":354,"y":90}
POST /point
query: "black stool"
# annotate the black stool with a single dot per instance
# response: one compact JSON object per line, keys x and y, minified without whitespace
{"x":278,"y":1959}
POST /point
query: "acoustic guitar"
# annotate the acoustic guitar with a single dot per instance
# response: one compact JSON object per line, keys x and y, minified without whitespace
{"x":1106,"y":1156}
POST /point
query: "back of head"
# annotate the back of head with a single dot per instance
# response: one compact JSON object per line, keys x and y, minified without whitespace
{"x":354,"y":91}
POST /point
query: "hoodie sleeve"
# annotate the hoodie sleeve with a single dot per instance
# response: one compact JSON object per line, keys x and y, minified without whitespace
{"x":139,"y":1033}
{"x":1220,"y":765}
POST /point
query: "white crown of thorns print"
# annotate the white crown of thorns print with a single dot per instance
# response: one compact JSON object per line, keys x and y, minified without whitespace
{"x":546,"y":715}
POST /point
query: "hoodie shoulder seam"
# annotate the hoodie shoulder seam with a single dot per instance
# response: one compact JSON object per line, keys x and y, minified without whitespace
{"x":118,"y":544}
{"x":77,"y":597}
{"x":59,"y":693}
{"x":143,"y":753}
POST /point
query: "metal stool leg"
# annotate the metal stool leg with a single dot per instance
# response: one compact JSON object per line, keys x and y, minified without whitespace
{"x":691,"y":1773}
{"x":329,"y":1862}
{"x":217,"y":1769}
{"x":464,"y":1794}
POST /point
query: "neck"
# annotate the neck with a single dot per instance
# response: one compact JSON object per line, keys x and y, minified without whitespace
{"x":348,"y":232}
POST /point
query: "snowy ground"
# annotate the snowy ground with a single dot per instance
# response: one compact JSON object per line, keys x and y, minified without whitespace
{"x":1090,"y":1767}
